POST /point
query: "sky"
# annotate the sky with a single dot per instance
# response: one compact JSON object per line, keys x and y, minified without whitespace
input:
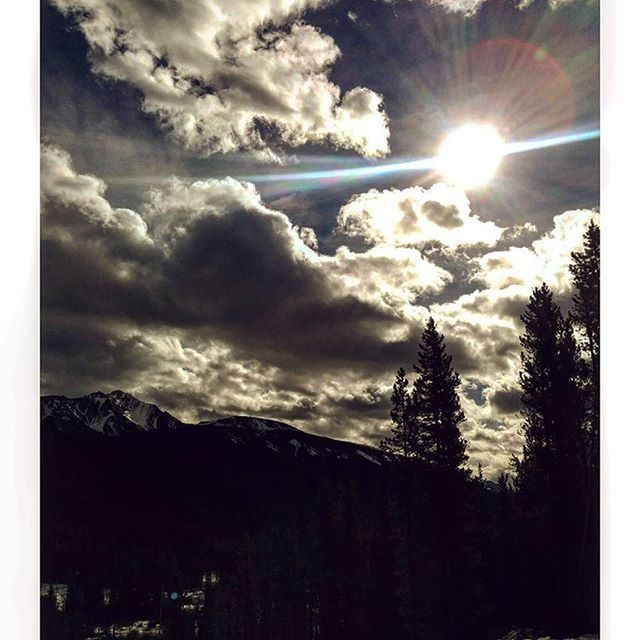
{"x":180,"y":263}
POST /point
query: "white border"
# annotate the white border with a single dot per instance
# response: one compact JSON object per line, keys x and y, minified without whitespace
{"x":620,"y":339}
{"x":19,"y":330}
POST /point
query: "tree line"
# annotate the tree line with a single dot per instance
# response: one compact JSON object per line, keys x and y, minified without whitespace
{"x":550,"y":523}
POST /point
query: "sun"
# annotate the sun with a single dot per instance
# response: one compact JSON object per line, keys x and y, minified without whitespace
{"x":470,"y":155}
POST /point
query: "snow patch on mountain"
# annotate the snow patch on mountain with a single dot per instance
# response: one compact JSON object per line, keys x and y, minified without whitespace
{"x":261,"y":425}
{"x":366,"y":456}
{"x":297,"y":445}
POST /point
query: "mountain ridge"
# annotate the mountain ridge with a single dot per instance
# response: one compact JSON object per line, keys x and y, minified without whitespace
{"x":119,"y":413}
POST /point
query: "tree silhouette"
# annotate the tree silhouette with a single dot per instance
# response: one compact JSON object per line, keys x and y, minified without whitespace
{"x":549,"y":477}
{"x":585,"y":315}
{"x":401,"y":442}
{"x":436,"y":406}
{"x":552,"y":407}
{"x":585,"y":272}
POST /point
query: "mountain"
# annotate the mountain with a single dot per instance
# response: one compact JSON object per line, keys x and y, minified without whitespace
{"x":109,"y":414}
{"x":119,"y":413}
{"x":121,"y":476}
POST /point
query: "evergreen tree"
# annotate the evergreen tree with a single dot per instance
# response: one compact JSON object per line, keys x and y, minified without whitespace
{"x":552,"y":407}
{"x":436,"y":406}
{"x":585,"y":271}
{"x":401,"y":442}
{"x":426,"y":428}
{"x":437,"y":414}
{"x":504,"y":484}
{"x":550,"y":475}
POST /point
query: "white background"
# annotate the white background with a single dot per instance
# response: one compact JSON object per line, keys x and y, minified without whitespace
{"x":19,"y":296}
{"x":620,"y":319}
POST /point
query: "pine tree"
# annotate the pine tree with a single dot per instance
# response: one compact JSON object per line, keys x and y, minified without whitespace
{"x":549,"y":477}
{"x":504,"y":484}
{"x":436,"y":406}
{"x":426,"y":428}
{"x":401,"y":442}
{"x":438,"y":414}
{"x":585,"y":315}
{"x":552,"y":407}
{"x":585,"y":271}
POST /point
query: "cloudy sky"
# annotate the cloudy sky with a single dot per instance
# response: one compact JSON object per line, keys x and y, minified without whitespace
{"x":216,"y":235}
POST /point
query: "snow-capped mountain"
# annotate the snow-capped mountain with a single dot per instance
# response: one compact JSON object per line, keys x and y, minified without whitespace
{"x":119,"y":413}
{"x":110,"y":414}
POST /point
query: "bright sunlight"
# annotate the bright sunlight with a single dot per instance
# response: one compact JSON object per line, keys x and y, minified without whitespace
{"x":469,"y":156}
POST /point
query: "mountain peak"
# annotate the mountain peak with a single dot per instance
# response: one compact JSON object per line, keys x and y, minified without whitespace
{"x":111,"y":414}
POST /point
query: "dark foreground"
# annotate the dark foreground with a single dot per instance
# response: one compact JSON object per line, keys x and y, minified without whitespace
{"x":249,"y":531}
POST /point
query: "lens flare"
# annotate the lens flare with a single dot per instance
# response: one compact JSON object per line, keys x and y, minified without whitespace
{"x":307,"y":180}
{"x":519,"y":84}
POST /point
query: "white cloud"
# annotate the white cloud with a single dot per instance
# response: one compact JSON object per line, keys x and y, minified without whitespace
{"x":547,"y":260}
{"x":519,"y":231}
{"x":413,"y":216}
{"x":492,"y":441}
{"x":392,"y":276}
{"x":482,"y":331}
{"x":469,"y":7}
{"x":482,"y":327}
{"x":308,"y":236}
{"x":458,"y":6}
{"x":242,"y":64}
{"x":85,"y":193}
{"x":556,"y":4}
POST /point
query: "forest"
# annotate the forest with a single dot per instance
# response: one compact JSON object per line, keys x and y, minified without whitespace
{"x":153,"y":528}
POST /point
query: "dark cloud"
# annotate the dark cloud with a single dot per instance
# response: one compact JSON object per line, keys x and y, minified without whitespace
{"x":370,"y":402}
{"x":481,"y":350}
{"x":446,"y":216}
{"x":81,"y":354}
{"x":506,"y":400}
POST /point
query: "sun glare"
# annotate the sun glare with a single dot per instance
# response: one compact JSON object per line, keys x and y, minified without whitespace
{"x":469,"y":156}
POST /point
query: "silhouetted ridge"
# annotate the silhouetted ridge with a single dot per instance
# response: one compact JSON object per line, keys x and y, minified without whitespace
{"x":261,"y":424}
{"x":120,"y":413}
